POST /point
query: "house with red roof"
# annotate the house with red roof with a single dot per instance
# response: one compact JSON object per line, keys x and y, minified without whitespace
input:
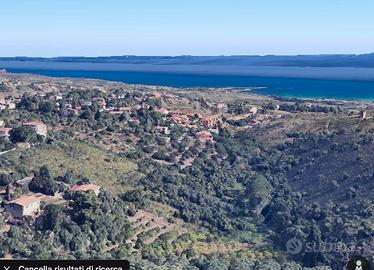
{"x":205,"y":136}
{"x":155,"y":95}
{"x":211,"y":121}
{"x":180,"y":119}
{"x":39,"y":127}
{"x":163,"y":111}
{"x":24,"y":206}
{"x":5,"y":132}
{"x":86,"y":188}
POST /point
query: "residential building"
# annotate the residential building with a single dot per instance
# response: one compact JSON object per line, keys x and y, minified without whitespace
{"x":68,"y":111}
{"x":205,"y":136}
{"x":39,"y":127}
{"x":11,"y":105}
{"x":137,"y":107}
{"x":7,"y":104}
{"x":23,"y":206}
{"x":163,"y":130}
{"x":155,"y":95}
{"x":134,"y":121}
{"x":145,"y":106}
{"x":253,"y":110}
{"x":86,"y":187}
{"x":56,"y":97}
{"x":180,"y":119}
{"x":115,"y":112}
{"x":124,"y":109}
{"x":5,"y":132}
{"x":100,"y":101}
{"x":24,"y":181}
{"x":219,"y":107}
{"x":163,"y":111}
{"x":195,"y":115}
{"x":211,"y":121}
{"x":87,"y":103}
{"x":363,"y":114}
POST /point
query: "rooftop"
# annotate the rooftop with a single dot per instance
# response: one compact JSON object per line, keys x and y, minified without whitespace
{"x":204,"y":133}
{"x":5,"y":129}
{"x":25,"y":200}
{"x":33,"y":123}
{"x":85,"y":187}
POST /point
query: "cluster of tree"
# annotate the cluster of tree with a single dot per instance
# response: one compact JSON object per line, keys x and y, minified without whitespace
{"x":214,"y":192}
{"x":316,"y":220}
{"x":87,"y":228}
{"x":235,"y":185}
{"x":24,"y":134}
{"x":5,"y":144}
{"x":217,"y":193}
{"x":302,"y":107}
{"x":6,"y":178}
{"x":43,"y":182}
{"x":37,"y":104}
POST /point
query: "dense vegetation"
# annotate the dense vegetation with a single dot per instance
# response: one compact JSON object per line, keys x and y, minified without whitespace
{"x":315,"y":187}
{"x":86,"y":228}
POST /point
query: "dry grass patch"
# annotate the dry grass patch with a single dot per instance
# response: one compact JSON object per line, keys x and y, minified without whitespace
{"x":100,"y":166}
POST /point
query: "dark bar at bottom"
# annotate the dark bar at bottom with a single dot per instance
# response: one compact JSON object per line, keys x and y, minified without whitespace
{"x":64,"y":265}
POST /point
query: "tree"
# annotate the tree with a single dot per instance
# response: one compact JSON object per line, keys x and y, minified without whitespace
{"x":87,"y":114}
{"x":84,"y":205}
{"x":2,"y":221}
{"x":46,"y":107}
{"x":84,"y":200}
{"x":5,"y":179}
{"x":50,"y":219}
{"x":160,"y":155}
{"x":22,"y":134}
{"x":5,"y":144}
{"x":43,"y":182}
{"x":134,"y":196}
{"x":29,"y":103}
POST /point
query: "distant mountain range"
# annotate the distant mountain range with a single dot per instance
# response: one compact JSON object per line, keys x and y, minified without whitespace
{"x":333,"y":60}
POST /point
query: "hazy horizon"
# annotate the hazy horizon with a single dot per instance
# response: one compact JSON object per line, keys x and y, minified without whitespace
{"x":188,"y":55}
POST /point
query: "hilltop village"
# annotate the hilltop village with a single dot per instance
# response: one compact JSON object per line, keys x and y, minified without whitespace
{"x":168,"y":171}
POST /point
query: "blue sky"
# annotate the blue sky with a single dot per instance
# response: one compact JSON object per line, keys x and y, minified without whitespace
{"x":177,"y":27}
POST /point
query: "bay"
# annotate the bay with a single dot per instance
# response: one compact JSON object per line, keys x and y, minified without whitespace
{"x":274,"y":86}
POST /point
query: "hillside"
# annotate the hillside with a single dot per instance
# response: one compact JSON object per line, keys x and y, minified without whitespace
{"x":183,"y":178}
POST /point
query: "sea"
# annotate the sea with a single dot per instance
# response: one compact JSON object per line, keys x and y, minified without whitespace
{"x":272,"y":86}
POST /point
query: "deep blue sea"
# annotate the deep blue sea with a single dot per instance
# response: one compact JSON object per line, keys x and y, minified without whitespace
{"x":285,"y":87}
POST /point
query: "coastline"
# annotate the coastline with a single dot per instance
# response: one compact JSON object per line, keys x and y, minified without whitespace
{"x":252,"y":90}
{"x":321,"y":73}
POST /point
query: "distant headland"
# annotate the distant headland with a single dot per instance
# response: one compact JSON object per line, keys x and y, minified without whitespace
{"x":323,"y":60}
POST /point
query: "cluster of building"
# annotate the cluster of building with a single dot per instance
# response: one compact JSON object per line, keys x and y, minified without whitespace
{"x":192,"y":120}
{"x":114,"y":104}
{"x":173,"y":116}
{"x":38,"y":127}
{"x":7,"y":103}
{"x":30,"y":204}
